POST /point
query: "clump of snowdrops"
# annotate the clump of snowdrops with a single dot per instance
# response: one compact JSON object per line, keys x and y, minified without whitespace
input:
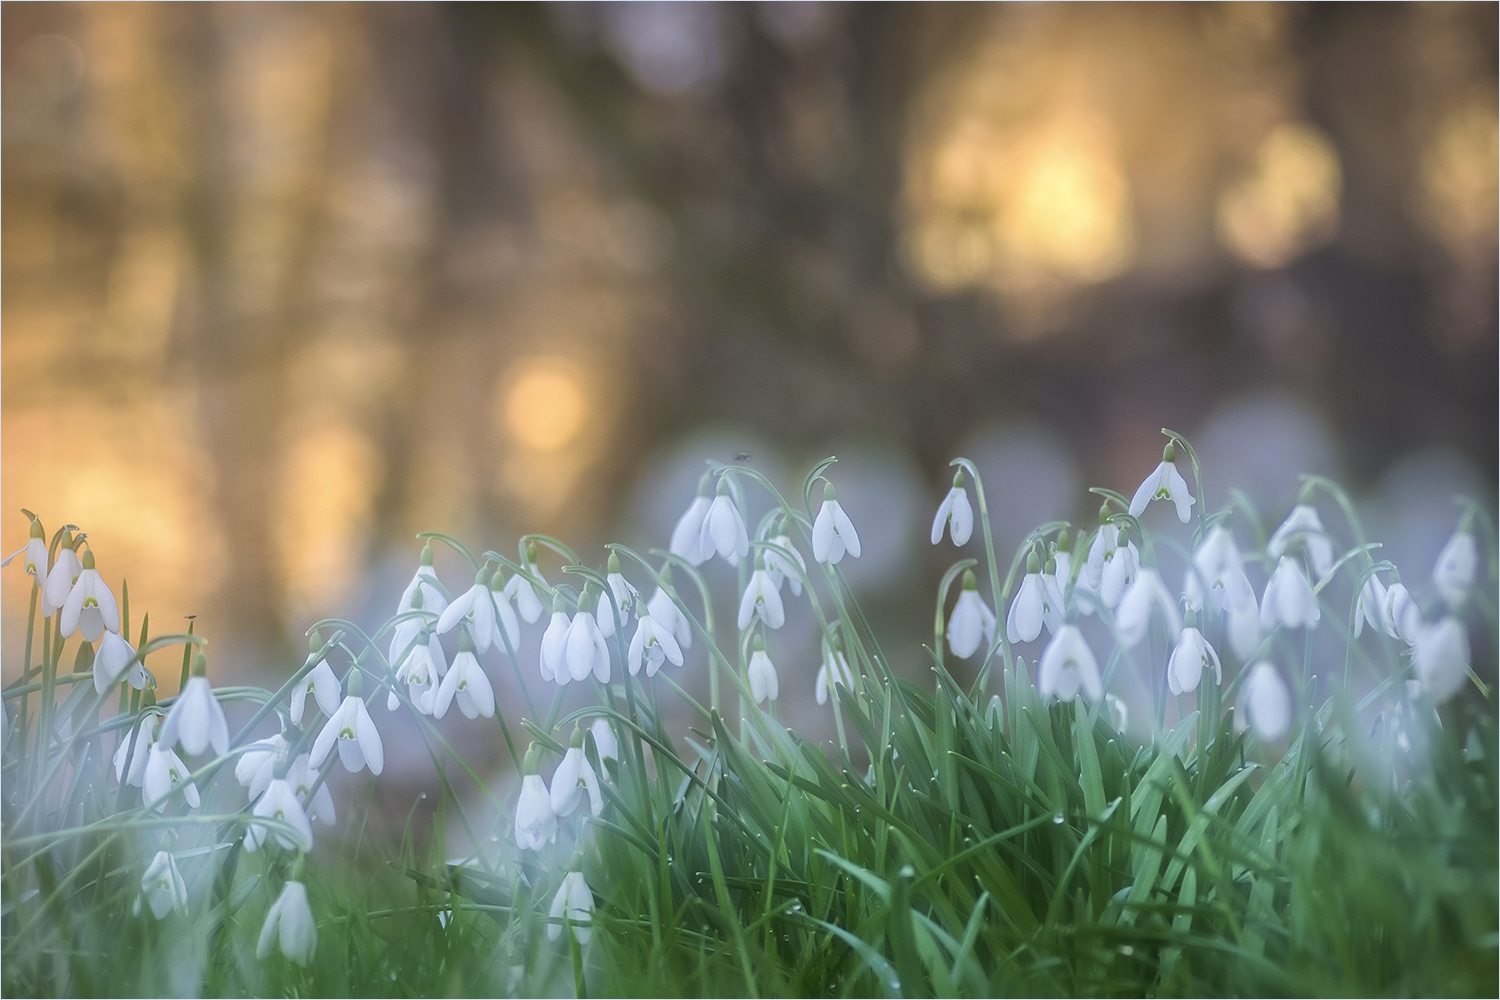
{"x":1145,"y":784}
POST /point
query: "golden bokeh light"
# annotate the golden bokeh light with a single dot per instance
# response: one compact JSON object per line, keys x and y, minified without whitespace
{"x":542,"y":404}
{"x":1288,"y":204}
{"x":1457,"y":197}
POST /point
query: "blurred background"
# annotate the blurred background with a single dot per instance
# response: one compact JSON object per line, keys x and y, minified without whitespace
{"x":285,"y":284}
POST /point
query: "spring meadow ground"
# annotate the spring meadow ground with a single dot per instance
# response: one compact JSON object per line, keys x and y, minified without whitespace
{"x":1280,"y":821}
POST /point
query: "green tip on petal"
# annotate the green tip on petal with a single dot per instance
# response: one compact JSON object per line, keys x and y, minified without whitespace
{"x":1033,"y":564}
{"x":614,"y":562}
{"x":971,"y":582}
{"x":576,"y":740}
{"x":427,"y":554}
{"x":828,"y":492}
{"x":200,"y":665}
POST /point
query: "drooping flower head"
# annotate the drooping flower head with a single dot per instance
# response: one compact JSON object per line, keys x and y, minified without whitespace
{"x":1164,"y":483}
{"x":196,"y":718}
{"x":475,"y":610}
{"x":790,"y":567}
{"x":1442,"y":658}
{"x":279,"y":802}
{"x":1453,"y":573}
{"x":1024,"y":623}
{"x":62,"y":576}
{"x":761,"y":600}
{"x":320,"y":682}
{"x":467,"y":683}
{"x":761,"y":673}
{"x":833,"y":533}
{"x":664,"y":609}
{"x":1190,"y":657}
{"x":425,"y":582}
{"x":290,"y":925}
{"x":1289,"y":600}
{"x":527,"y":595}
{"x":352,"y":730}
{"x":574,"y":903}
{"x":114,"y":656}
{"x":574,"y":776}
{"x":723,"y":529}
{"x":687,"y":536}
{"x":653,"y":643}
{"x":970,"y":621}
{"x":834,"y":670}
{"x":1264,"y":704}
{"x":35,"y":563}
{"x":1068,"y":667}
{"x":90,"y":606}
{"x":163,"y":886}
{"x":584,"y":648}
{"x":1304,"y":527}
{"x":536,"y":823}
{"x":1146,"y":595}
{"x":954,"y":513}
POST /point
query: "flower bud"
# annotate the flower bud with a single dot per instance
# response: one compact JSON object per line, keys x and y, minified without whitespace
{"x":529,"y":765}
{"x":36,"y":528}
{"x":427,"y":554}
{"x":576,"y":740}
{"x":828,"y":492}
{"x":614,"y":563}
{"x":1169,"y":453}
{"x":354,"y":683}
{"x":958,"y":479}
{"x":88,"y":558}
{"x":971,"y":582}
{"x":200,"y":665}
{"x":1033,"y":564}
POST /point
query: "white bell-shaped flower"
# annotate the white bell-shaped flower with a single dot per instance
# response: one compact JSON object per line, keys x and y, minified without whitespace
{"x":554,"y":645}
{"x":536,"y":823}
{"x":163,"y":886}
{"x":624,"y":599}
{"x":527,"y":595}
{"x":35,"y":563}
{"x":1454,"y":572}
{"x":475,"y":611}
{"x":353,"y":731}
{"x":761,"y":601}
{"x":1289,"y":601}
{"x":687,"y":536}
{"x":1190,"y":657}
{"x":1371,"y":607}
{"x":1164,"y":483}
{"x":1216,"y":579}
{"x":1264,"y":704}
{"x":1242,"y":625}
{"x":165,"y":772}
{"x":668,"y":615}
{"x":955,"y":514}
{"x":290,"y":925}
{"x":1068,"y":667}
{"x":61,"y":577}
{"x":133,"y":752}
{"x":90,"y":606}
{"x":196,"y":719}
{"x":507,"y":626}
{"x":792,"y":570}
{"x":605,"y":740}
{"x":466,"y":682}
{"x":1120,"y":568}
{"x":279,"y":802}
{"x":761,"y":673}
{"x":424,"y":581}
{"x":584,"y":649}
{"x":1133,"y":616}
{"x":834,"y":669}
{"x":1403,"y":614}
{"x":1106,"y":539}
{"x":723,"y":530}
{"x":302,"y":779}
{"x":1303,"y":526}
{"x":422,"y":673}
{"x":257,"y":764}
{"x":114,"y":656}
{"x":573,"y":776}
{"x":1024,"y":622}
{"x":970,"y":621}
{"x":322,"y":683}
{"x":653,"y":643}
{"x":1442,"y":658}
{"x":1119,"y":712}
{"x":574,"y":903}
{"x":833,"y":533}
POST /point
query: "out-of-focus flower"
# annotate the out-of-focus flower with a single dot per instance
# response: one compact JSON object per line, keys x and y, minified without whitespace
{"x":163,"y":886}
{"x":835,"y":669}
{"x":1403,"y":614}
{"x":574,"y":902}
{"x":1289,"y":600}
{"x":322,"y":683}
{"x":954,"y":513}
{"x":279,"y":802}
{"x":536,"y":823}
{"x":1442,"y":658}
{"x":466,"y":682}
{"x":524,"y":592}
{"x":1264,"y":704}
{"x":687,"y":536}
{"x":290,"y":924}
{"x":653,"y":643}
{"x":196,"y":719}
{"x":572,"y":777}
{"x":1372,"y":607}
{"x":1133,"y":616}
{"x":1189,"y":658}
{"x":761,"y":601}
{"x":1453,"y":574}
{"x":301,"y":776}
{"x":165,"y":771}
{"x":781,"y":568}
{"x":605,"y":741}
{"x":115,"y":654}
{"x":1068,"y":667}
{"x":1303,"y":525}
{"x":257,"y":764}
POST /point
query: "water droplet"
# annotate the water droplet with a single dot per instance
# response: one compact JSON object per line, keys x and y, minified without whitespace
{"x":1059,"y":819}
{"x":1126,"y":950}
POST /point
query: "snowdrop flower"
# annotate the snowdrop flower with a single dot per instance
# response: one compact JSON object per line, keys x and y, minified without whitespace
{"x":353,"y":730}
{"x":196,"y":719}
{"x":970,"y":621}
{"x":1165,"y":483}
{"x":572,"y":776}
{"x":425,"y":583}
{"x":526,"y":594}
{"x":290,"y":924}
{"x":1024,"y":623}
{"x":35,"y":563}
{"x":761,"y":601}
{"x":163,"y":886}
{"x":835,"y":669}
{"x":1105,"y":541}
{"x":1289,"y":600}
{"x":1403,"y":614}
{"x":762,"y":676}
{"x":1133,"y":616}
{"x":62,"y":577}
{"x":956,"y":513}
{"x":1442,"y":658}
{"x":1455,"y":568}
{"x":1119,"y":712}
{"x":782,"y":568}
{"x":1068,"y":667}
{"x":130,"y":764}
{"x":90,"y":606}
{"x":654,"y":643}
{"x":1303,"y":525}
{"x":668,"y":615}
{"x":257,"y":764}
{"x":584,"y":649}
{"x":279,"y":802}
{"x":1189,"y":658}
{"x":555,"y":644}
{"x":467,"y":682}
{"x":1217,"y":565}
{"x":1120,"y":568}
{"x":1264,"y":704}
{"x":723,"y":530}
{"x":604,"y":613}
{"x":476,"y":612}
{"x":625,"y":593}
{"x":833,"y":533}
{"x":505,"y":615}
{"x":1371,"y":607}
{"x":115,"y":654}
{"x":301,"y":777}
{"x":575,"y":903}
{"x":536,"y":823}
{"x":165,"y":771}
{"x":1242,"y":623}
{"x":321,"y":683}
{"x":605,"y":742}
{"x":1062,"y":564}
{"x":687,"y":536}
{"x":424,"y":668}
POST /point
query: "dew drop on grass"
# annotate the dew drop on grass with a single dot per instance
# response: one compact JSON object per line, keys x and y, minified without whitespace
{"x":1059,"y":819}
